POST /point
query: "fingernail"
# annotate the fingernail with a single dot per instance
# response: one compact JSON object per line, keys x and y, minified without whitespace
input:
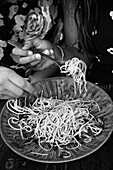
{"x":51,"y":51}
{"x":37,"y":56}
{"x":30,"y":53}
{"x":47,"y":52}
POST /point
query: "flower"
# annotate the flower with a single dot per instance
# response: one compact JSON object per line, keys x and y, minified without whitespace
{"x":38,"y":22}
{"x":3,"y":44}
{"x":34,"y":25}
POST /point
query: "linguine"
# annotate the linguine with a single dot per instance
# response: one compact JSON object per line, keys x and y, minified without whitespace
{"x":55,"y":123}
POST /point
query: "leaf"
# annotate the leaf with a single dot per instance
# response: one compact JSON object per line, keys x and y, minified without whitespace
{"x":1,"y":22}
{"x":1,"y":16}
{"x":19,"y":19}
{"x":37,"y":10}
{"x":22,"y":35}
{"x":53,"y":11}
{"x":24,"y":5}
{"x":12,"y":1}
{"x":15,"y":38}
{"x":1,"y":53}
{"x":3,"y":43}
{"x":13,"y":10}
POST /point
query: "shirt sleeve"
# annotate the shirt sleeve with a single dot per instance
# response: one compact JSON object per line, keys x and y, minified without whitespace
{"x":70,"y":26}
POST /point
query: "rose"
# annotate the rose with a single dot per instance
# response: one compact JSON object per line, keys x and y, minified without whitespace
{"x":35,"y":25}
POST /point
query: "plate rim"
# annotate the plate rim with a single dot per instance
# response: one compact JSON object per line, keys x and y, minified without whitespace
{"x":61,"y":161}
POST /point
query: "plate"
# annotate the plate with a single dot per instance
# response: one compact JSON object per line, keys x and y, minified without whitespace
{"x":61,"y":87}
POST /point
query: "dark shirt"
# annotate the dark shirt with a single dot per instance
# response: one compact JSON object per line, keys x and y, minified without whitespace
{"x":103,"y":35}
{"x":102,"y":68}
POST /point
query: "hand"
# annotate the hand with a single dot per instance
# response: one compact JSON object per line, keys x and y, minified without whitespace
{"x":36,"y":61}
{"x":12,"y":85}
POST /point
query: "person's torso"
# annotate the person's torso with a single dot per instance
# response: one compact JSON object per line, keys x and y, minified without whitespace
{"x":103,"y":35}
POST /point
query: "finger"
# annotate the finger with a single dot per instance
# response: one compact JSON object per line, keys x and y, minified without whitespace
{"x":39,"y":65}
{"x":48,"y":52}
{"x":25,"y":60}
{"x":31,"y":65}
{"x":27,"y":45}
{"x":20,"y":52}
{"x":51,"y":52}
{"x":14,"y":89}
{"x":7,"y":94}
{"x":15,"y":57}
{"x":20,"y":82}
{"x":34,"y":63}
{"x":38,"y":42}
{"x":28,"y":87}
{"x":5,"y":97}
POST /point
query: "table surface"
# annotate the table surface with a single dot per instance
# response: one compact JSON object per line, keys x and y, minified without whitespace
{"x":102,"y":159}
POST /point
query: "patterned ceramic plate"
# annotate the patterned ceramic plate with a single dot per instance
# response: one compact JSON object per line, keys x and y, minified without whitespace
{"x":61,"y":87}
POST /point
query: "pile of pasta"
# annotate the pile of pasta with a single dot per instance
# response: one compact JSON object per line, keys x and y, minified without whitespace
{"x":55,"y":123}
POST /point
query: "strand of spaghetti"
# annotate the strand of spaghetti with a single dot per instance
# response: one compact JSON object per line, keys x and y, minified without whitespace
{"x":77,"y":69}
{"x":59,"y":124}
{"x":37,"y":153}
{"x":14,"y":108}
{"x":11,"y":119}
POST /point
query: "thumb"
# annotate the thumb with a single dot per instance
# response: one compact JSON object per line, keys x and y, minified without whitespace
{"x":27,"y":45}
{"x":38,"y":43}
